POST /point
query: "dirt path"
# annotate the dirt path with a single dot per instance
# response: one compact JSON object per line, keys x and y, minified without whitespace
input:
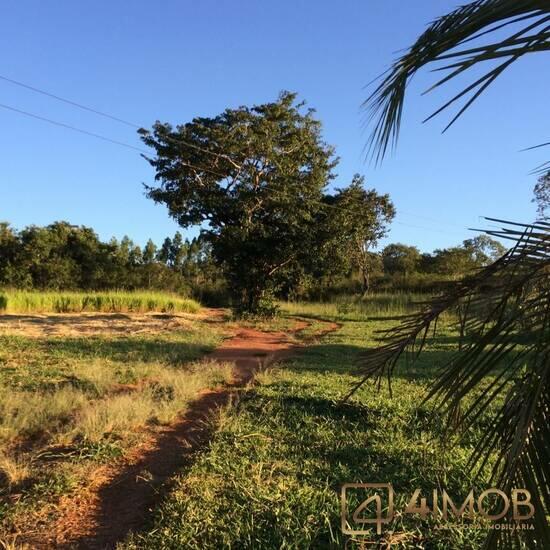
{"x":120,"y":497}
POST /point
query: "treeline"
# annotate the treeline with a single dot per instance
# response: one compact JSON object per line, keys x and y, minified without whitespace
{"x":400,"y":267}
{"x":65,"y":256}
{"x":69,"y":257}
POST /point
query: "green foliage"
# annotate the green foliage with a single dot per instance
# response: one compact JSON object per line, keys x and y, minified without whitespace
{"x":255,"y":176}
{"x":350,"y":230}
{"x":400,"y":258}
{"x":542,"y":195}
{"x":64,"y":256}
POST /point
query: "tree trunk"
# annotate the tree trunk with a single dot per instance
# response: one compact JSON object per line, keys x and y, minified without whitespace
{"x":366,"y":281}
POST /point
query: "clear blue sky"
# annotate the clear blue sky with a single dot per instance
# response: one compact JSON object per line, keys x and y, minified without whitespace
{"x":176,"y":59}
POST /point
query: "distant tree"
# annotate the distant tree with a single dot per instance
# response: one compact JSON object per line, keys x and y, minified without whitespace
{"x":43,"y":256}
{"x":66,"y":256}
{"x":163,"y":255}
{"x":542,"y":195}
{"x":255,"y":177}
{"x":474,"y":253}
{"x":135,"y":256}
{"x":124,"y":250}
{"x":484,"y":249}
{"x":362,"y":219}
{"x":149,"y":252}
{"x":455,"y":260}
{"x":427,"y":263}
{"x":400,"y":259}
{"x":178,"y":252}
{"x":10,"y":250}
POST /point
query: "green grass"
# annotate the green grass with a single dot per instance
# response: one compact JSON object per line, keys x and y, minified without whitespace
{"x":22,"y":301}
{"x":272,"y":474}
{"x":357,"y":309}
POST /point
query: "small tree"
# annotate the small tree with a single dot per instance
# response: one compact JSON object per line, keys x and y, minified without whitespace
{"x":163,"y":254}
{"x":363,"y":218}
{"x":484,"y":249}
{"x":254,"y":176}
{"x":149,"y":252}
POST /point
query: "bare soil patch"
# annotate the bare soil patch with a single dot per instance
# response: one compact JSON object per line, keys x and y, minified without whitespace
{"x":92,"y":324}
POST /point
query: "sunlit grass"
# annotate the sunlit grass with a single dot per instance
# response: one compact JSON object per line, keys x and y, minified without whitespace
{"x":23,"y":301}
{"x":357,"y":308}
{"x":272,"y":474}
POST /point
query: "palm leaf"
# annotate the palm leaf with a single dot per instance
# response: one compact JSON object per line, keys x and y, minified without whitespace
{"x":445,"y":40}
{"x":505,"y":317}
{"x":504,"y":309}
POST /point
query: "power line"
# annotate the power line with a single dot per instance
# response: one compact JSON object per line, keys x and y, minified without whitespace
{"x":68,"y":101}
{"x":107,"y":115}
{"x":100,"y":136}
{"x":427,"y":228}
{"x":427,"y":218}
{"x":73,"y":128}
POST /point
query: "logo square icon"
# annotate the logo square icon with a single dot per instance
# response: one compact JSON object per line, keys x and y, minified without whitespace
{"x":358,"y":512}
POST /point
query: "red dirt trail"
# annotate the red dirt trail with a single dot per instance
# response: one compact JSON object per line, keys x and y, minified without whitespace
{"x":120,"y":497}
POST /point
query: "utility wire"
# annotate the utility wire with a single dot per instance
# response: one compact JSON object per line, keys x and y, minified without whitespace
{"x":99,"y":136}
{"x":74,"y":128}
{"x":106,"y":115}
{"x":68,"y":101}
{"x":427,"y":218}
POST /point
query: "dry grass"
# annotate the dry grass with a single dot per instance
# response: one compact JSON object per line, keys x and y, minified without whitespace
{"x":25,"y":414}
{"x":159,"y":400}
{"x":67,"y":403}
{"x":14,"y":471}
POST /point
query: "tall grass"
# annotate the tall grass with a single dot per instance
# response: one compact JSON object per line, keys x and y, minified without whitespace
{"x":359,"y":308}
{"x":24,"y":301}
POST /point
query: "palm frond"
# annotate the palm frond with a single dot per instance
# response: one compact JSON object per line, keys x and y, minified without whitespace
{"x":445,"y":40}
{"x":505,"y":320}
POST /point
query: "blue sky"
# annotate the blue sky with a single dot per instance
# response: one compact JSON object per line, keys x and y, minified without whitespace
{"x":174,"y":60}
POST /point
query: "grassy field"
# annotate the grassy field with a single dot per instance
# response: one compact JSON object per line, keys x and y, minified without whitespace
{"x":357,"y":309}
{"x":69,"y":404}
{"x":21,"y":301}
{"x":272,"y":474}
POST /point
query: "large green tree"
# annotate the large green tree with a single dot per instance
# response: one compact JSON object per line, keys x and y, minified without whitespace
{"x":253,"y":178}
{"x":507,"y":302}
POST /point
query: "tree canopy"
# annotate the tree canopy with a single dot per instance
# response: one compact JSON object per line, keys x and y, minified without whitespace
{"x":254,"y":178}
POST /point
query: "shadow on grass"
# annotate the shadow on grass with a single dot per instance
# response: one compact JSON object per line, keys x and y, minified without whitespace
{"x":347,"y":359}
{"x":340,"y":438}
